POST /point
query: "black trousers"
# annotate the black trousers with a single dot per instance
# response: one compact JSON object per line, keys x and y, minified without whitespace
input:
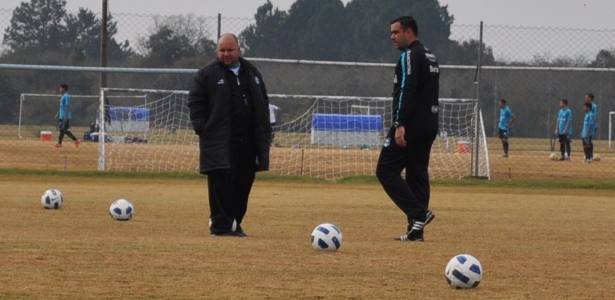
{"x":64,"y":126}
{"x":412,"y":194}
{"x":564,"y":144}
{"x":588,"y":147}
{"x":229,"y":189}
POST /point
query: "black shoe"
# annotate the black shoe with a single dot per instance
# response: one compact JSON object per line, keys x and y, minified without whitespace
{"x":413,"y":235}
{"x":240,"y":234}
{"x":429,"y":216}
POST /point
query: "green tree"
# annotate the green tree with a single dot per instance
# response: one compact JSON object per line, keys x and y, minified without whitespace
{"x":369,"y":20}
{"x":268,"y":30}
{"x":37,"y":24}
{"x":84,"y":31}
{"x":466,"y":52}
{"x":178,"y":42}
{"x":604,"y":59}
{"x":325,"y":29}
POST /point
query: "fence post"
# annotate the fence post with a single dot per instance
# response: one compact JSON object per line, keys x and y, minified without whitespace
{"x":477,"y":78}
{"x":219,"y":25}
{"x":103,"y":42}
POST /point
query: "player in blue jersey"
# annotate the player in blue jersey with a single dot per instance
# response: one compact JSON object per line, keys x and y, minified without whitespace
{"x":506,"y":120}
{"x":588,"y":131}
{"x":563,"y":128}
{"x":589,"y":98}
{"x":64,"y":116}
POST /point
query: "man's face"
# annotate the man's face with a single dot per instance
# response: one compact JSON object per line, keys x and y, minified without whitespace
{"x":61,"y":90}
{"x":228,"y":51}
{"x":400,"y":37}
{"x":587,"y":99}
{"x":502,"y":104}
{"x":562,"y":104}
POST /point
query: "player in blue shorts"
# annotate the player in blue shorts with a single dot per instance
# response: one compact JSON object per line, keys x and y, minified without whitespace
{"x":506,"y":120}
{"x":589,"y":98}
{"x":588,"y":131}
{"x":564,"y":129}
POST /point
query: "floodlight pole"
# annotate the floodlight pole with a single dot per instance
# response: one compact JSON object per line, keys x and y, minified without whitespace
{"x":103,"y":42}
{"x":219,"y":25}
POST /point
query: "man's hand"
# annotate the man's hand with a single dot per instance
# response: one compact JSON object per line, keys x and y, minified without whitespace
{"x":400,"y":136}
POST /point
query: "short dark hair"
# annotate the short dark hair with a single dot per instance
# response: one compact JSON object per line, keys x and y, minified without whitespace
{"x":503,"y":100}
{"x":565,"y":102}
{"x":64,"y":86}
{"x":588,"y":105}
{"x":407,"y":22}
{"x":590,"y":96}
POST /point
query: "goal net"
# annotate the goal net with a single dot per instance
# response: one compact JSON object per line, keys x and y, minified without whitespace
{"x":327,"y":137}
{"x":37,"y":113}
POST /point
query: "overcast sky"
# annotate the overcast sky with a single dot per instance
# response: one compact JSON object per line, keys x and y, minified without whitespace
{"x":587,"y":14}
{"x":560,"y":13}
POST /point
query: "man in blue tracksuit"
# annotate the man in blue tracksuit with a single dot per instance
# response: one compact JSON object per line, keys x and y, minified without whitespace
{"x":415,"y":125}
{"x":64,"y":115}
{"x":588,"y":131}
{"x":564,"y":128}
{"x":506,"y":119}
{"x":589,"y":98}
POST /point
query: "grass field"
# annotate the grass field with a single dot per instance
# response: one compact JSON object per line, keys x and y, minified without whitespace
{"x":529,"y":159}
{"x":538,"y":243}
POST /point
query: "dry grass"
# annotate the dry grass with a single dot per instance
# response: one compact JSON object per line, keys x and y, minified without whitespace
{"x":541,"y":244}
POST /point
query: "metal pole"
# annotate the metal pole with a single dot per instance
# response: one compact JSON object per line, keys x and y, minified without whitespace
{"x":20,"y":114}
{"x":101,"y":131}
{"x":103,"y":42}
{"x":611,"y":114}
{"x":477,"y":107}
{"x":219,"y":25}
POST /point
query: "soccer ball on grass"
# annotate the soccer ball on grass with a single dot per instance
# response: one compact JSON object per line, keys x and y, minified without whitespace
{"x":463,"y":271}
{"x":326,"y":237}
{"x":52,"y":199}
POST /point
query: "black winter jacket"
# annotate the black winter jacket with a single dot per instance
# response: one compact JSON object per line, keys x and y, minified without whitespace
{"x":211,"y":113}
{"x":415,"y":91}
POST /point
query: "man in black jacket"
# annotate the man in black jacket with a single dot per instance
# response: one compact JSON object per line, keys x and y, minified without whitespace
{"x":229,"y":110}
{"x":415,"y":125}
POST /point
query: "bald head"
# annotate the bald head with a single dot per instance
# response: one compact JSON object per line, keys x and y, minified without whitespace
{"x":228,"y":49}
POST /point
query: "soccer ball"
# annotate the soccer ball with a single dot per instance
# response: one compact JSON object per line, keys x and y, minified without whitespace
{"x":121,"y":210}
{"x":327,"y":237}
{"x":463,"y":272}
{"x":553,"y":156}
{"x":52,"y":199}
{"x":596,"y":157}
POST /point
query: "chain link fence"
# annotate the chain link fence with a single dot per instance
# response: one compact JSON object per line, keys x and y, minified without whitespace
{"x":531,"y":67}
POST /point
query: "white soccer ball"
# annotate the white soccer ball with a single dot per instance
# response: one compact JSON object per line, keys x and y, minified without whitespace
{"x":553,"y":156}
{"x":327,"y":237}
{"x":121,"y":210}
{"x":463,"y":271}
{"x":596,"y":157}
{"x":52,"y":199}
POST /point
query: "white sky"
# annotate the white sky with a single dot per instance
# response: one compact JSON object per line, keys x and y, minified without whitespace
{"x":588,"y":14}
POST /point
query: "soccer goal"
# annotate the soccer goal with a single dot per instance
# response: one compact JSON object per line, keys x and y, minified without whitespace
{"x":37,"y":112}
{"x":327,"y":137}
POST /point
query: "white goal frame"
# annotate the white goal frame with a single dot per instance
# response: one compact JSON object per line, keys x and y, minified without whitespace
{"x":477,"y":119}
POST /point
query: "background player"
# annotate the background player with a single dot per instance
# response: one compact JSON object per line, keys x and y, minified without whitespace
{"x":506,"y":120}
{"x":564,"y":129}
{"x":64,"y":116}
{"x":587,"y":132}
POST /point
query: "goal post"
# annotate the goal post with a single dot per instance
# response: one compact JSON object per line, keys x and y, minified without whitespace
{"x":328,"y":137}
